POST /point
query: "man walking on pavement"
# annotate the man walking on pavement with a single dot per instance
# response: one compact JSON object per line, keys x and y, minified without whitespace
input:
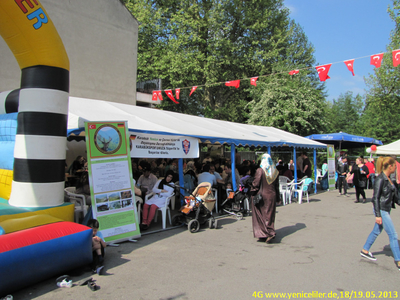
{"x":342,"y":169}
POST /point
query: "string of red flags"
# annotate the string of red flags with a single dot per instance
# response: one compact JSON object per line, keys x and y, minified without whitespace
{"x":235,"y":83}
{"x":193,"y":89}
{"x":376,"y":60}
{"x":350,"y":65}
{"x":171,"y":96}
{"x":396,"y":57}
{"x":323,"y":70}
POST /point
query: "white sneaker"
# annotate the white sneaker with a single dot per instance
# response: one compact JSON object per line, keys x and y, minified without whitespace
{"x":99,"y":270}
{"x":65,"y":283}
{"x":368,"y":255}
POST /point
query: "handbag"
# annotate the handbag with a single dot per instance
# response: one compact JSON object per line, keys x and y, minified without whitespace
{"x":257,"y":198}
{"x":362,"y":184}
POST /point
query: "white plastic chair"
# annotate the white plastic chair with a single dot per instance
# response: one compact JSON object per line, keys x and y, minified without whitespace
{"x":319,"y":174}
{"x":78,"y":200}
{"x":163,"y":210}
{"x":289,"y":189}
{"x":301,"y":189}
{"x":139,"y":202}
{"x":283,"y":188}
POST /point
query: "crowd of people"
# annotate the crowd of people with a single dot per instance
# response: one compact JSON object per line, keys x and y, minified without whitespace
{"x":159,"y":176}
{"x":360,"y":174}
{"x":218,"y":172}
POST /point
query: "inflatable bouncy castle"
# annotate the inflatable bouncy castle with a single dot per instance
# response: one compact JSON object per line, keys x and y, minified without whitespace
{"x":38,"y":238}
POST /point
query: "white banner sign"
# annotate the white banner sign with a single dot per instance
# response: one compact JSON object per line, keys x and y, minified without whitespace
{"x":163,"y":146}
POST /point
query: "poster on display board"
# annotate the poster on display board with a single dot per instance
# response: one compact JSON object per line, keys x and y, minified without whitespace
{"x":111,"y":183}
{"x":331,"y":165}
{"x":146,"y":145}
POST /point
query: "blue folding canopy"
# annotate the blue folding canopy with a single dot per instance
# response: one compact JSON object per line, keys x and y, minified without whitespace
{"x":343,"y":140}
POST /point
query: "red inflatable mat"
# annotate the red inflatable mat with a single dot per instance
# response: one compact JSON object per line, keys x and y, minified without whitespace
{"x":38,"y":234}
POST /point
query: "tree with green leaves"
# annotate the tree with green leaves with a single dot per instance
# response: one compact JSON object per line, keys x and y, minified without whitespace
{"x":292,"y":103}
{"x":205,"y":43}
{"x":383,"y":96}
{"x":345,"y":114}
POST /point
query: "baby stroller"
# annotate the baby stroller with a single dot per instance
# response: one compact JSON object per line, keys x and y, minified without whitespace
{"x":238,"y":203}
{"x":198,"y":209}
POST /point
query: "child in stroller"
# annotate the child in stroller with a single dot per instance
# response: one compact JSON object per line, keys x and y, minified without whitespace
{"x":198,"y":209}
{"x":238,"y":203}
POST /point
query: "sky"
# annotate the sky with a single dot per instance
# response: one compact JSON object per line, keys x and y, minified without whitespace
{"x":341,"y":30}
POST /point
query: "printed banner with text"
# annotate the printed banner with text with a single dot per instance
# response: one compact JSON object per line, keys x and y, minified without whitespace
{"x":163,"y":146}
{"x":331,"y":165}
{"x":111,"y":184}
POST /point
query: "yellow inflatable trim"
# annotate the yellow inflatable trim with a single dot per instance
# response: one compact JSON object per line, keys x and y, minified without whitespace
{"x":6,"y":177}
{"x":13,"y":225}
{"x":63,"y":212}
{"x":30,"y":34}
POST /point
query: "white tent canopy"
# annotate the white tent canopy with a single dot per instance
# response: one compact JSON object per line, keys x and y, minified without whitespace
{"x":157,"y":121}
{"x":389,"y":149}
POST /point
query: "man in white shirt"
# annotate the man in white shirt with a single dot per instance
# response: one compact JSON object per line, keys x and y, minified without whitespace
{"x":146,"y":181}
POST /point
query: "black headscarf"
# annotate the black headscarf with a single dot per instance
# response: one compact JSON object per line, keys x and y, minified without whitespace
{"x":164,"y":181}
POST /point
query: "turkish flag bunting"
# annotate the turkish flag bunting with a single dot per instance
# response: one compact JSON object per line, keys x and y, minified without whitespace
{"x":323,"y":72}
{"x":193,"y":89}
{"x":376,"y":60}
{"x":253,"y":81}
{"x":235,"y":83}
{"x":159,"y":95}
{"x":171,"y":96}
{"x":155,"y":96}
{"x":294,"y":72}
{"x":177,"y":92}
{"x":396,"y":57}
{"x":349,"y":65}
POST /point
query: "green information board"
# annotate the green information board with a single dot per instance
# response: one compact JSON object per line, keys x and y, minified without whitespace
{"x":111,"y":183}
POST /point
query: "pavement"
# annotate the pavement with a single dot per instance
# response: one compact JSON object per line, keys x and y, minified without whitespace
{"x":316,"y":250}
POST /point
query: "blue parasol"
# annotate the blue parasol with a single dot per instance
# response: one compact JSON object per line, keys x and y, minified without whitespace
{"x":343,"y":140}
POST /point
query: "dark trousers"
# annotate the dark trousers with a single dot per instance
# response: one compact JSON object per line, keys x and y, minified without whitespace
{"x":342,"y":182}
{"x":98,"y":259}
{"x":360,"y":191}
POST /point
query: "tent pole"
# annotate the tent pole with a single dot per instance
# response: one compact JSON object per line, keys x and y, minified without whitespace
{"x":181,"y":181}
{"x":295,"y":164}
{"x":269,"y":150}
{"x":233,"y":167}
{"x":315,"y":170}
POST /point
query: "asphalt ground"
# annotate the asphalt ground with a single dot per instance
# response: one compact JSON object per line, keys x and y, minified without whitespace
{"x":316,"y":251}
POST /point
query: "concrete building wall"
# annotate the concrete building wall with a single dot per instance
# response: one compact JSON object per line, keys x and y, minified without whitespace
{"x":100,"y":37}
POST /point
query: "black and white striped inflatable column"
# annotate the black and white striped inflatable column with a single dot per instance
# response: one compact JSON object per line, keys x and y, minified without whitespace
{"x":40,"y":144}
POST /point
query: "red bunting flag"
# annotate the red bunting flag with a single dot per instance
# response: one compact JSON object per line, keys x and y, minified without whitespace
{"x":396,"y":57}
{"x":193,"y":89}
{"x":376,"y":60}
{"x":155,"y":96}
{"x":323,"y":72}
{"x":294,"y":72}
{"x":349,"y":65}
{"x":235,"y":83}
{"x":171,"y":96}
{"x":159,"y":95}
{"x":253,"y":81}
{"x":177,"y":92}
